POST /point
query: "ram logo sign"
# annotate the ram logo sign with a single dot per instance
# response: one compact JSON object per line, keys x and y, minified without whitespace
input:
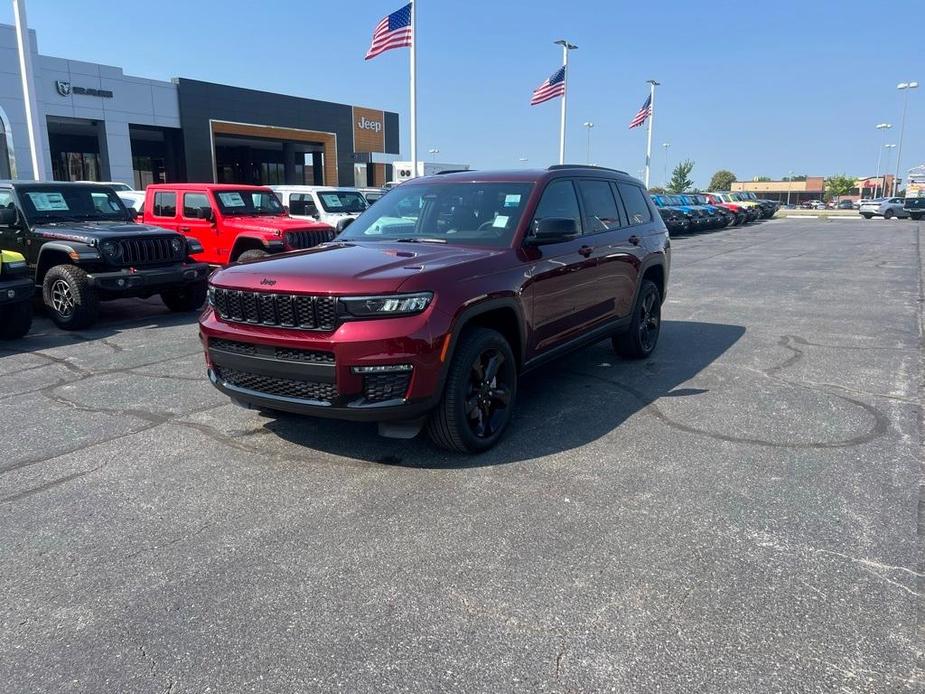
{"x":64,"y":88}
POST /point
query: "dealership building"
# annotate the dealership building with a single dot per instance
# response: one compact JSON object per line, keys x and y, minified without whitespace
{"x":813,"y":188}
{"x":96,"y":123}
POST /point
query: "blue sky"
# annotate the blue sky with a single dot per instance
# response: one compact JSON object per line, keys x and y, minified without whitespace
{"x":758,"y":88}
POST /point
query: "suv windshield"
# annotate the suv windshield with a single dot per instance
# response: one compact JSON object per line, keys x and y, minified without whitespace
{"x":471,"y":213}
{"x":50,"y":203}
{"x":248,"y":202}
{"x":342,"y":201}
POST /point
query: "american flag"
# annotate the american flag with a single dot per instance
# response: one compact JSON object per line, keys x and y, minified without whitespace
{"x":644,"y":113}
{"x":392,"y":32}
{"x":551,"y":88}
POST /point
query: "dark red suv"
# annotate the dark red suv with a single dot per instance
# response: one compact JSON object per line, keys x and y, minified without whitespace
{"x":425,"y":311}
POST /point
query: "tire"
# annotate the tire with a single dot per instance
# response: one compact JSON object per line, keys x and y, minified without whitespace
{"x":69,"y":298}
{"x":640,"y":340}
{"x":473,"y":414}
{"x":916,"y":217}
{"x":253,"y":254}
{"x":15,"y":320}
{"x":867,"y":216}
{"x":889,"y":214}
{"x":188,"y":297}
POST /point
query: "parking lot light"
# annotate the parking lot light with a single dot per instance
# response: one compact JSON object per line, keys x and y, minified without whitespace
{"x":883,"y":127}
{"x":905,"y":88}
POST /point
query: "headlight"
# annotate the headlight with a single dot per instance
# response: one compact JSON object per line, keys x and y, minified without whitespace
{"x":111,"y":250}
{"x":389,"y":305}
{"x":211,"y":295}
{"x":176,"y":243}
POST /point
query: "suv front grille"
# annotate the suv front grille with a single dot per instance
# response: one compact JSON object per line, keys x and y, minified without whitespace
{"x":279,"y":387}
{"x":150,"y":251}
{"x":306,"y":238}
{"x":280,"y":310}
{"x":250,"y":349}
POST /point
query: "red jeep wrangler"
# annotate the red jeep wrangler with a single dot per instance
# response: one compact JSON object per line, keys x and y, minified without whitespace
{"x":232,"y":222}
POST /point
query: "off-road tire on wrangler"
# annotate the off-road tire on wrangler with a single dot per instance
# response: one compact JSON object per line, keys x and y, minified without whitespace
{"x":189,"y":297}
{"x":15,"y":320}
{"x":479,"y":394}
{"x":69,"y":298}
{"x":253,"y":254}
{"x":640,"y":339}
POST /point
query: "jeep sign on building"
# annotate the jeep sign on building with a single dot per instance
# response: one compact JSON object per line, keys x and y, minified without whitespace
{"x":97,"y":123}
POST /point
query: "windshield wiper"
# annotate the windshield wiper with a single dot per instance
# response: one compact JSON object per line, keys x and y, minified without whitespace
{"x":417,"y":239}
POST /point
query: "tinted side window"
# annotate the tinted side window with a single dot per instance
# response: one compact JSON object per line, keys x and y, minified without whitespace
{"x":601,"y":212}
{"x":635,"y":202}
{"x":192,"y":202}
{"x":165,"y":205}
{"x":559,"y":200}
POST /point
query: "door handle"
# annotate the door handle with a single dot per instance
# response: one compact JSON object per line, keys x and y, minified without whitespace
{"x":586,"y":251}
{"x":634,"y":240}
{"x":185,"y":230}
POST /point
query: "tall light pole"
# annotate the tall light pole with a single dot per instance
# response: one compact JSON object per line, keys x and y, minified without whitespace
{"x":433,"y":151}
{"x":789,"y":186}
{"x":588,"y":124}
{"x":889,"y":150}
{"x":523,"y":161}
{"x":665,"y":146}
{"x":904,"y":87}
{"x":652,"y":85}
{"x":883,"y":127}
{"x":566,"y":47}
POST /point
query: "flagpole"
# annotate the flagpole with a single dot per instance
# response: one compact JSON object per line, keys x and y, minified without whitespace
{"x":652,"y":85}
{"x":566,"y":47}
{"x":414,"y":95}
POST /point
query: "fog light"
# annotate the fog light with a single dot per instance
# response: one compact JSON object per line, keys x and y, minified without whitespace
{"x":381,"y":369}
{"x":10,"y":293}
{"x":120,"y":282}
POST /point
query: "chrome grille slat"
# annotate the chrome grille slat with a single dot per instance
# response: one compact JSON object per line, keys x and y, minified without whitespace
{"x":299,"y":311}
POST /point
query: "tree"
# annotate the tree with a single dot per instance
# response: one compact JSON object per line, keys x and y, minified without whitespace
{"x":680,"y":180}
{"x":794,"y":178}
{"x":722,"y":180}
{"x":838,"y":185}
{"x":761,"y":179}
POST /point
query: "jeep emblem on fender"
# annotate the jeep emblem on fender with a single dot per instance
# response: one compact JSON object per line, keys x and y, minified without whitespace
{"x":267,"y":281}
{"x":64,"y":88}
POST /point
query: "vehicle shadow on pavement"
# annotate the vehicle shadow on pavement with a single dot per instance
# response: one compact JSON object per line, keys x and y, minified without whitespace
{"x":572,"y":402}
{"x":115,"y":317}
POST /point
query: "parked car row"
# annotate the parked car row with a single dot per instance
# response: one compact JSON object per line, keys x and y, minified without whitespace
{"x":715,"y":210}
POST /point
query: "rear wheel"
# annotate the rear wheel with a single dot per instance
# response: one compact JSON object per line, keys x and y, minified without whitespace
{"x":189,"y":297}
{"x":69,"y":298}
{"x":639,"y":341}
{"x":15,"y":320}
{"x":253,"y":254}
{"x":867,"y":216}
{"x":478,"y":398}
{"x":889,"y":214}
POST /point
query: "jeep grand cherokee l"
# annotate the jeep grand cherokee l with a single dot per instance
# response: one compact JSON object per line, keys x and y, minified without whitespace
{"x":425,"y":311}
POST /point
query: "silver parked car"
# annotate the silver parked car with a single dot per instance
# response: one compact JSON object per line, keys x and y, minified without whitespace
{"x":883,"y":207}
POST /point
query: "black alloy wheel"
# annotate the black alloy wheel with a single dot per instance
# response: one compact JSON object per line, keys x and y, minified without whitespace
{"x":640,"y":339}
{"x":478,"y":398}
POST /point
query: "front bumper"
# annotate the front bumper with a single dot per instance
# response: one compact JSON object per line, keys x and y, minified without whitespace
{"x":313,"y":373}
{"x":15,"y":291}
{"x":129,"y":280}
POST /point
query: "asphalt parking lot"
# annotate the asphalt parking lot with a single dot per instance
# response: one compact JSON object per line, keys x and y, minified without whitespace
{"x":739,"y":513}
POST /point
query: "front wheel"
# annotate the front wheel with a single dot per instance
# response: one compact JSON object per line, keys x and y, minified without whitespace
{"x":253,"y":254}
{"x":15,"y":320}
{"x":69,"y":298}
{"x":867,"y":216}
{"x":639,"y":341}
{"x":189,"y":297}
{"x":478,"y":398}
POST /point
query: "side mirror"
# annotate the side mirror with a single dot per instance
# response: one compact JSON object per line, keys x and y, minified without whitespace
{"x":286,"y":209}
{"x":344,"y":223}
{"x":553,"y":230}
{"x":206,"y":213}
{"x":8,"y":216}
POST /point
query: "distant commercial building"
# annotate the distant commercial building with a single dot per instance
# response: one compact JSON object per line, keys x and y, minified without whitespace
{"x":97,"y":123}
{"x":813,"y":188}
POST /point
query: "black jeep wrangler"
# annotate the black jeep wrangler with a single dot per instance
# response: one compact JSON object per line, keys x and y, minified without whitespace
{"x":82,"y":246}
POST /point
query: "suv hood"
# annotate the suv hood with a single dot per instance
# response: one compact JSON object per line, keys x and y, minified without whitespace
{"x":93,"y":231}
{"x":266,"y":224}
{"x":350,"y":268}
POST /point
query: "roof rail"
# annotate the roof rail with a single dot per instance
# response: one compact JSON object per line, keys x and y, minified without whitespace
{"x":558,"y":167}
{"x":449,"y":171}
